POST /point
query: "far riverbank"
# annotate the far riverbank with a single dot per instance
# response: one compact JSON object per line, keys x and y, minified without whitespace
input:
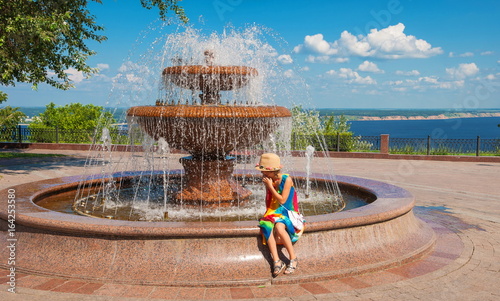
{"x":408,"y":114}
{"x":431,"y":117}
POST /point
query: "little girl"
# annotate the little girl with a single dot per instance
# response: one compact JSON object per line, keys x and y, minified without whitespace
{"x":276,"y":226}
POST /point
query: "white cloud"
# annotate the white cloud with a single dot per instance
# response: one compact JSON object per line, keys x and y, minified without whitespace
{"x":491,"y":77}
{"x":316,"y":44}
{"x":451,"y":84}
{"x":289,"y":73}
{"x":285,"y":59}
{"x":305,"y":68}
{"x":424,"y":83}
{"x":373,"y":92}
{"x":102,"y":67}
{"x":463,"y":71}
{"x":394,"y":83}
{"x":341,"y":60}
{"x":317,"y":59}
{"x":369,"y":67}
{"x":75,"y":75}
{"x":435,"y":83}
{"x":400,"y":89}
{"x":429,"y":79}
{"x":408,"y":73}
{"x":487,"y":53}
{"x":133,"y":67}
{"x":352,"y":76}
{"x":389,"y":43}
{"x":132,"y":78}
{"x":466,"y":54}
{"x":325,"y":59}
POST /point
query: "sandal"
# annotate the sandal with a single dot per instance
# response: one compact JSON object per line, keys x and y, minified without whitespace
{"x":290,"y":269}
{"x":279,"y":265}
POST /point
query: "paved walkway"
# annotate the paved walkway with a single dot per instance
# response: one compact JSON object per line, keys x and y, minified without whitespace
{"x":460,"y":200}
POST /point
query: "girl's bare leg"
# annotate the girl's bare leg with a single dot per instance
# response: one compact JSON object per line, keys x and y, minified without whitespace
{"x":273,"y":248}
{"x":284,"y":239}
{"x":278,"y":265}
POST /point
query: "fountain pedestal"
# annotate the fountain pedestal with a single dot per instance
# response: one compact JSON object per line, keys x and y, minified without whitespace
{"x":209,"y":182}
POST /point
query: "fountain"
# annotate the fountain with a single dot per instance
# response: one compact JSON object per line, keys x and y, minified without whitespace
{"x":210,"y":131}
{"x":383,"y":233}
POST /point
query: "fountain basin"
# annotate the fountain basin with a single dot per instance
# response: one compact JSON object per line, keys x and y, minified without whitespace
{"x":209,"y":77}
{"x":213,"y":131}
{"x":382,"y":234}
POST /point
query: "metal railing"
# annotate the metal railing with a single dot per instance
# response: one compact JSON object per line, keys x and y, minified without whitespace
{"x":429,"y":146}
{"x":344,"y":142}
{"x":30,"y":135}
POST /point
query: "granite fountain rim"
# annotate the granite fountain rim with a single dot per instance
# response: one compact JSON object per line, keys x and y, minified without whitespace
{"x":391,"y":202}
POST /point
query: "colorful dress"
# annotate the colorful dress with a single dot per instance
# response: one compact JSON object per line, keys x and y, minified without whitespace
{"x":275,"y":213}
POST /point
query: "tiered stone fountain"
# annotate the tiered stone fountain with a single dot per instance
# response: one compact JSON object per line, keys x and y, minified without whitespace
{"x":209,"y":131}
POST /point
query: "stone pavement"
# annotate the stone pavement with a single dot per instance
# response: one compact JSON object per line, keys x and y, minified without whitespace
{"x":460,"y":200}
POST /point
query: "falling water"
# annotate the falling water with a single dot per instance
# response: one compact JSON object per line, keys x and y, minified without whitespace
{"x":144,"y":179}
{"x":309,"y":155}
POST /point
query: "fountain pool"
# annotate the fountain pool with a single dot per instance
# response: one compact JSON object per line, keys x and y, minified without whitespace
{"x":382,"y":234}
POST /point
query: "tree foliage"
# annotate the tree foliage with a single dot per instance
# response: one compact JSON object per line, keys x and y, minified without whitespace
{"x":165,"y":6}
{"x":72,"y":123}
{"x":333,"y":125}
{"x":40,"y":40}
{"x":322,"y":132}
{"x":10,"y":117}
{"x":73,"y":116}
{"x":309,"y":122}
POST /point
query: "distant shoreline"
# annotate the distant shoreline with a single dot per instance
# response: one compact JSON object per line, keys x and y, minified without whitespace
{"x":431,"y":117}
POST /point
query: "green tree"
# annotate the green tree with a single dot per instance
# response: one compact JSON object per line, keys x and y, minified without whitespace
{"x":332,"y":125}
{"x":306,"y":125}
{"x":41,"y":39}
{"x":10,"y":117}
{"x":324,"y":133}
{"x":305,"y":122}
{"x":74,"y":123}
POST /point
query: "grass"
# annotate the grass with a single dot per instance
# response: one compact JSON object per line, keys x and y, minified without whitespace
{"x":9,"y":155}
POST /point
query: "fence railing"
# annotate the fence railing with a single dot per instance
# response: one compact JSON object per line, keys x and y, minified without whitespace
{"x":429,"y":146}
{"x":345,"y":142}
{"x":30,"y":135}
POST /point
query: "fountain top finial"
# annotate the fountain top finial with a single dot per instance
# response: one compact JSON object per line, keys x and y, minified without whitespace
{"x":209,"y":57}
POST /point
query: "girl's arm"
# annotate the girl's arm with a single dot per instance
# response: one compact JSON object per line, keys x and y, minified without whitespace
{"x":284,"y":194}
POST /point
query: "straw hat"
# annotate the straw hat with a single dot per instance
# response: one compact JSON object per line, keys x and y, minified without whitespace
{"x":269,"y":162}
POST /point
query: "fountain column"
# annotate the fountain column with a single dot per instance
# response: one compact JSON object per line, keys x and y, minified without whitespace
{"x":210,"y":182}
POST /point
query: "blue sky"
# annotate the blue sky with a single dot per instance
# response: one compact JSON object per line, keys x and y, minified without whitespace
{"x":351,"y":54}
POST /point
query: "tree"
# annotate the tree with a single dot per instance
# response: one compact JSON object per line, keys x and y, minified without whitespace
{"x":40,"y":40}
{"x":324,"y":133}
{"x":73,"y":116}
{"x":332,"y":125}
{"x":305,"y":122}
{"x":74,"y":122}
{"x":9,"y":118}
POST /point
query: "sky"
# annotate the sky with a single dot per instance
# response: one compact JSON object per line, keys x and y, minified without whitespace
{"x":407,"y":54}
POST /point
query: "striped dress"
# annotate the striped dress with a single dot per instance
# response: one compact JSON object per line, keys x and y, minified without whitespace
{"x":277,"y":214}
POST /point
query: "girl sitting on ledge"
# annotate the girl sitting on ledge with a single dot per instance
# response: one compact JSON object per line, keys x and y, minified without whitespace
{"x":276,"y":226}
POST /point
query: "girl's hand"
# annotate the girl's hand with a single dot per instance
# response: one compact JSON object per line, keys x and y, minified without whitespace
{"x":268,"y":182}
